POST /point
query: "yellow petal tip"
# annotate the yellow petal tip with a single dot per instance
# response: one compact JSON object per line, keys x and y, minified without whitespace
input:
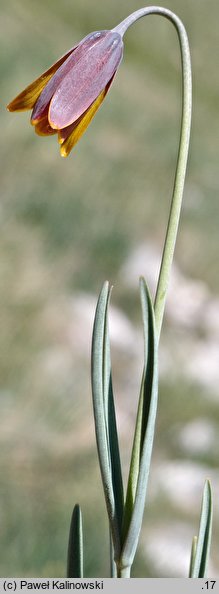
{"x":63,"y":152}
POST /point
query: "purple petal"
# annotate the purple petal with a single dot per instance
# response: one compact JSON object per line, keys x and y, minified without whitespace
{"x":41,"y":106}
{"x":65,"y":132}
{"x":88,"y":75}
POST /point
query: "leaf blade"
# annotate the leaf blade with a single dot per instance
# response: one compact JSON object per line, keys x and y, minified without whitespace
{"x":204,"y":537}
{"x":145,"y":426}
{"x":192,"y":557}
{"x":104,"y":416}
{"x":111,"y":425}
{"x":75,"y":545}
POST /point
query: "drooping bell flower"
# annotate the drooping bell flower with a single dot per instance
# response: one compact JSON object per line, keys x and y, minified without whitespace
{"x":65,"y":98}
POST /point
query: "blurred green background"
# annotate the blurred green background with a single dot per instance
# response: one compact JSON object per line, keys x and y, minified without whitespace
{"x":66,"y":226}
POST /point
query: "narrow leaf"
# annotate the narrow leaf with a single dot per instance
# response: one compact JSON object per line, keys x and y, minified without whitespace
{"x":111,"y":426}
{"x":75,"y":545}
{"x":144,"y":434}
{"x":141,"y":420}
{"x":102,"y":404}
{"x":200,"y":565}
{"x":193,"y":554}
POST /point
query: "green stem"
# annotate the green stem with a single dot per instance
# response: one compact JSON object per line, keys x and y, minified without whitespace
{"x":175,"y":208}
{"x":124,"y":572}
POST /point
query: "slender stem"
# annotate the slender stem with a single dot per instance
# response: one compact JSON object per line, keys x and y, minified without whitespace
{"x":124,"y":572}
{"x":175,"y":208}
{"x":112,"y":562}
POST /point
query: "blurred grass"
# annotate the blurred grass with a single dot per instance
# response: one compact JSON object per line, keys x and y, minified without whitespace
{"x":66,"y":225}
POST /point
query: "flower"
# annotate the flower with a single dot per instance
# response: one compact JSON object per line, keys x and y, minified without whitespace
{"x":65,"y":98}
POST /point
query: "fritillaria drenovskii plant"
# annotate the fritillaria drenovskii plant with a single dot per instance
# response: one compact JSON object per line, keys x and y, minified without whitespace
{"x":63,"y":101}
